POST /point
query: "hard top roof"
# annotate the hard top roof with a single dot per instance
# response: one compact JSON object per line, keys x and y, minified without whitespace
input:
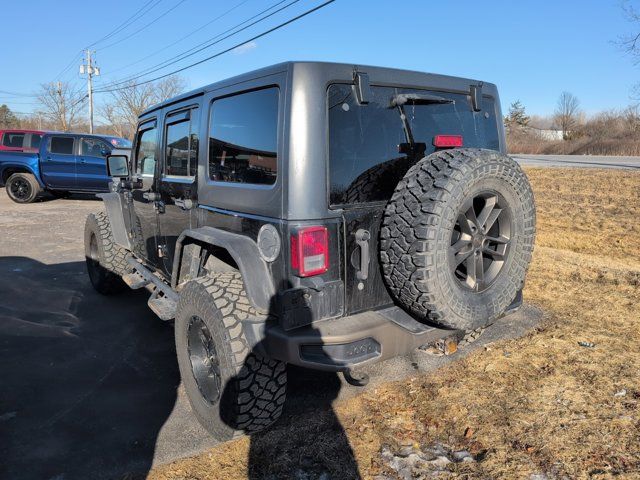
{"x":287,"y":66}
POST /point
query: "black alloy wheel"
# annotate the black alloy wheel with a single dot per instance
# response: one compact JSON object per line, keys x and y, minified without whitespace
{"x":20,"y":188}
{"x":480,"y":240}
{"x":205,"y":364}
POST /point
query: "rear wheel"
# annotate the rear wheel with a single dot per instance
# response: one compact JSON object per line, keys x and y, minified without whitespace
{"x":457,"y":237}
{"x":22,"y":188}
{"x":232,"y":390}
{"x":106,"y":261}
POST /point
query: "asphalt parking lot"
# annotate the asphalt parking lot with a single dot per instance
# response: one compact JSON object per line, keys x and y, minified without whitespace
{"x":90,"y":384}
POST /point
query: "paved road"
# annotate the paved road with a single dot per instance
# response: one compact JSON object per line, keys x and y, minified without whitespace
{"x":89,"y":385}
{"x":583,"y":161}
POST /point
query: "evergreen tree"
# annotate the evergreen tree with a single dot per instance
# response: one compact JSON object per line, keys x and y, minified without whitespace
{"x":7,"y":118}
{"x":517,"y":117}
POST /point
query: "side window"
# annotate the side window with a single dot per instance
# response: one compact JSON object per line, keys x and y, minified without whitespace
{"x":146,"y":152}
{"x":13,"y":140}
{"x":94,"y":147}
{"x":35,"y":140}
{"x":181,"y":152}
{"x":61,"y":145}
{"x":243,"y":138}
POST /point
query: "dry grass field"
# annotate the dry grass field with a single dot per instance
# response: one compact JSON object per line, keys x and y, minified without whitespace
{"x":542,"y":404}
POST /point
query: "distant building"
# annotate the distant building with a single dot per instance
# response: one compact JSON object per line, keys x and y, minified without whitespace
{"x":549,"y":134}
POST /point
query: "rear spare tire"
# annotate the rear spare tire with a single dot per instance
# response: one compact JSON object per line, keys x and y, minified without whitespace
{"x":457,"y":237}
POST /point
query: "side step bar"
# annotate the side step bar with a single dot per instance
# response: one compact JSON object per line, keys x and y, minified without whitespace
{"x":163,"y":301}
{"x":135,"y":281}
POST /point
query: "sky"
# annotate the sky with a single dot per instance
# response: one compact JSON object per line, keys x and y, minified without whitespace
{"x":533,"y":50}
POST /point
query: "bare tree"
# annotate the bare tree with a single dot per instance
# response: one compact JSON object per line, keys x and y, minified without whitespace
{"x":108,"y":111}
{"x":126,"y":105}
{"x":169,"y":87}
{"x":631,"y":116}
{"x":567,"y":113}
{"x":61,"y":104}
{"x":631,"y":43}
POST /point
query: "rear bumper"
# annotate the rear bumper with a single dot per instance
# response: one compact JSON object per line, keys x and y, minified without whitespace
{"x":343,"y":343}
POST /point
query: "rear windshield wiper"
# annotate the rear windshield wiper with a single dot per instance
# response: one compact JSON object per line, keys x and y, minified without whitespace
{"x":417,"y":99}
{"x":399,"y":101}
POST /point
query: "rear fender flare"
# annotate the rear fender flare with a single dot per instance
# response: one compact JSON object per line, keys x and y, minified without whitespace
{"x":254,"y":270}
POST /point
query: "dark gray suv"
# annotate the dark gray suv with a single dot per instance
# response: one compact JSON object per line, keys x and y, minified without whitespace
{"x":316,"y":214}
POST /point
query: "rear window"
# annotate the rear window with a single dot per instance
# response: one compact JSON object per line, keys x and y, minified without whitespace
{"x":14,"y":140}
{"x":364,"y":160}
{"x":61,"y":145}
{"x":35,"y":140}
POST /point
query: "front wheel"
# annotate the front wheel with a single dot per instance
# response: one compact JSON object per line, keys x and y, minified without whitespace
{"x":232,"y":390}
{"x":106,"y":260}
{"x":23,"y":188}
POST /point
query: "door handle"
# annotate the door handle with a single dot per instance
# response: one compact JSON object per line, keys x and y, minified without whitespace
{"x":82,"y":160}
{"x":362,"y":239}
{"x":150,"y":196}
{"x":183,"y":203}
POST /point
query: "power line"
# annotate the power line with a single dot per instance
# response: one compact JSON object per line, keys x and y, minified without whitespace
{"x":11,"y":102}
{"x":127,"y":22}
{"x":267,"y":32}
{"x":138,"y":31}
{"x":181,"y":39}
{"x":71,"y":63}
{"x":208,"y":43}
{"x":18,"y":94}
{"x":118,"y":29}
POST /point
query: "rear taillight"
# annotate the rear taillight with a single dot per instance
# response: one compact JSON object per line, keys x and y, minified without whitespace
{"x":310,"y":251}
{"x":447,"y":141}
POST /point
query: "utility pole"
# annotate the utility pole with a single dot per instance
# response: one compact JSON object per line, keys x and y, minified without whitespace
{"x":63,"y":110}
{"x":90,"y":69}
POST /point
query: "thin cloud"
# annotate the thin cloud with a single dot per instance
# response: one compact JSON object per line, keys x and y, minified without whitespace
{"x":247,"y":47}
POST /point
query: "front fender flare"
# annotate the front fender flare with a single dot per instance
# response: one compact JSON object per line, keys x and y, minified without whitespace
{"x":118,"y":213}
{"x":254,"y":270}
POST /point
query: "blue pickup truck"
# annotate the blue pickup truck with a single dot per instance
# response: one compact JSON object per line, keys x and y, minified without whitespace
{"x":66,"y":162}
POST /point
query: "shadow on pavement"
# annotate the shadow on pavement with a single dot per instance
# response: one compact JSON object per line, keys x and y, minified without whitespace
{"x":87,"y":383}
{"x":87,"y":380}
{"x":315,"y":449}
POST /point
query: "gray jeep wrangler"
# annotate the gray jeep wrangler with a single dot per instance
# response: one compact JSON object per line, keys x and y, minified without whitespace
{"x":315,"y":214}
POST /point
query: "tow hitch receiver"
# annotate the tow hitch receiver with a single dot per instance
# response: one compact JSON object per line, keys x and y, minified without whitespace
{"x":445,"y":345}
{"x":448,"y":345}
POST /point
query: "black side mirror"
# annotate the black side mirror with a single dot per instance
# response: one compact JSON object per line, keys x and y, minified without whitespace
{"x":118,"y":166}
